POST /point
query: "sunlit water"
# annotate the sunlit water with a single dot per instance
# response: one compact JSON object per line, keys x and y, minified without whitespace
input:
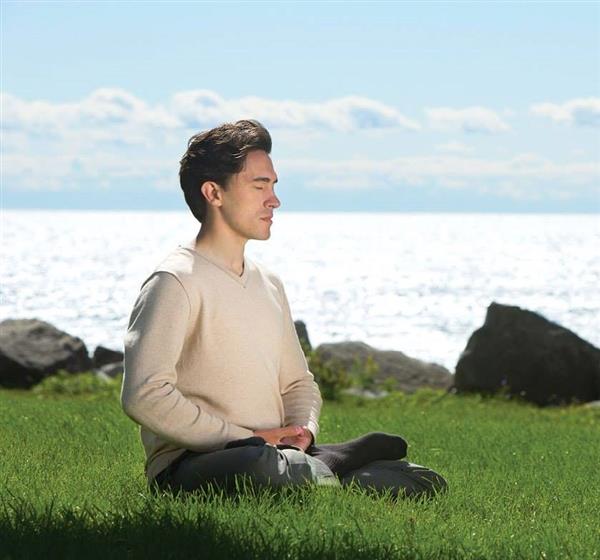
{"x":419,"y":283}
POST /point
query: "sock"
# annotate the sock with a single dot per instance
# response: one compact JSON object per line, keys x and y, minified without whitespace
{"x":344,"y":457}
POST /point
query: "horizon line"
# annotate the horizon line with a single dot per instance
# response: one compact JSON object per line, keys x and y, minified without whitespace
{"x":315,"y":211}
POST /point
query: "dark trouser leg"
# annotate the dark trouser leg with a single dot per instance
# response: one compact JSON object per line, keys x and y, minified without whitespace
{"x":402,"y":478}
{"x":264,"y":465}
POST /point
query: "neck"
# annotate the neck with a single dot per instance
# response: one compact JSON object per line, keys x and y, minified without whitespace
{"x":227,"y":250}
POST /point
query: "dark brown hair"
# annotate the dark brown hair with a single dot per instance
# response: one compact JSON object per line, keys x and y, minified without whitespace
{"x":216,"y":155}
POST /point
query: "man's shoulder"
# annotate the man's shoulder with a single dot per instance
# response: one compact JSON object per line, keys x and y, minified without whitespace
{"x":267,"y":273}
{"x":177,"y":262}
{"x":180,"y":263}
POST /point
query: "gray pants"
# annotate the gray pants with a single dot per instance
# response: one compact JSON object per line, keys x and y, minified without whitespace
{"x":272,"y":466}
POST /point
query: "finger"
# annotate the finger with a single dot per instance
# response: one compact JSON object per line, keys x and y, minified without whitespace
{"x":291,"y":431}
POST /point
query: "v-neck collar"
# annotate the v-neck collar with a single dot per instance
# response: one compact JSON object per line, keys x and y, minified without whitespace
{"x":243,"y":279}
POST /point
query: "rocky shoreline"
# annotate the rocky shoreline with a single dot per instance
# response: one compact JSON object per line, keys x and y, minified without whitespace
{"x":516,"y":352}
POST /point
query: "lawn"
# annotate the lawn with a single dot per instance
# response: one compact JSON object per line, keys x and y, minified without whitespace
{"x":524,"y":482}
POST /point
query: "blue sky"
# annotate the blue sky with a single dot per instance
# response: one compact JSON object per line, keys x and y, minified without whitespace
{"x":455,"y":106}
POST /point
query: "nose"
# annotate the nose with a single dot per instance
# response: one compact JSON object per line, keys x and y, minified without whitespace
{"x":274,"y":202}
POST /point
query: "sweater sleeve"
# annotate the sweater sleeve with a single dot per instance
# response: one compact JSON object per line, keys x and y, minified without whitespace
{"x":300,"y":393}
{"x":149,"y":395}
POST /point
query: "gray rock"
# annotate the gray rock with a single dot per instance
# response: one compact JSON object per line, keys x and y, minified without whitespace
{"x":101,"y":375}
{"x":410,"y":374}
{"x":522,"y":353}
{"x":109,"y":370}
{"x":103,"y":356}
{"x":31,"y":350}
{"x":366,"y":393}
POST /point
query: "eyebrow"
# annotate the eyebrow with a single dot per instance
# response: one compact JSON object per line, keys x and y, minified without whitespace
{"x":263,"y":180}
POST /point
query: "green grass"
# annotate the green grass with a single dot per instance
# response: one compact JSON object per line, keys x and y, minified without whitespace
{"x":523,"y":483}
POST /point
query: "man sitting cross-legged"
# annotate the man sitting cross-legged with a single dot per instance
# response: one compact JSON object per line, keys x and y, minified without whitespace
{"x":214,"y":371}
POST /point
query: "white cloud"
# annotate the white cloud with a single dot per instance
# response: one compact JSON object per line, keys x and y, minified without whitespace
{"x":454,"y":147}
{"x":522,"y":176}
{"x":61,"y":146}
{"x":470,"y":119}
{"x":581,"y":111}
{"x":200,"y":108}
{"x":116,"y":114}
{"x":111,"y":133}
{"x":103,"y":107}
{"x":70,"y":171}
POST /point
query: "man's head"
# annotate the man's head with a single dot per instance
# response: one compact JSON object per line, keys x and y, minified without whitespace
{"x":213,"y":157}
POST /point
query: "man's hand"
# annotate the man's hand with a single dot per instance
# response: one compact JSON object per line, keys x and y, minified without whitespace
{"x":298,"y":436}
{"x":302,"y":440}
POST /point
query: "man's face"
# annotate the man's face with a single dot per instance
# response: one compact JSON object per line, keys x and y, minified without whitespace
{"x":250,"y":197}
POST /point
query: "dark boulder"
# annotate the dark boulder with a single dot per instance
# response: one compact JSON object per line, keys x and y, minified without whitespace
{"x":103,"y":356}
{"x":522,"y":353}
{"x":31,"y":350}
{"x":409,"y":373}
{"x":303,"y":335}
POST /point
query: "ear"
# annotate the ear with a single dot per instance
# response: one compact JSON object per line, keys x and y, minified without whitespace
{"x":212,"y":193}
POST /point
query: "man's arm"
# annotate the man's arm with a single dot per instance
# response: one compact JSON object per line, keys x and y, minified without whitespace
{"x":153,"y":344}
{"x":300,"y":393}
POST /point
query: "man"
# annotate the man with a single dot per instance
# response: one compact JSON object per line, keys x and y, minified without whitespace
{"x":214,"y":371}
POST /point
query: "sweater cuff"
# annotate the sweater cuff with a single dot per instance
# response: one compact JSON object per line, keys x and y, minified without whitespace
{"x":314,"y":430}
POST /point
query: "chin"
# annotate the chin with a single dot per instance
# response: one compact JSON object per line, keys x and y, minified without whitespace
{"x":259,"y":235}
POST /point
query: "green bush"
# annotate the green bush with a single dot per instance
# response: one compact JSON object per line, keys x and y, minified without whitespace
{"x":363,"y":373}
{"x":330,"y":375}
{"x":389,"y":384}
{"x":75,"y":384}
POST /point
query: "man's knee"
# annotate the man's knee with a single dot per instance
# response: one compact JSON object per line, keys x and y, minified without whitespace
{"x":270,"y":466}
{"x":221,"y":468}
{"x":402,"y":478}
{"x":429,"y":481}
{"x":263,"y":465}
{"x":255,"y":460}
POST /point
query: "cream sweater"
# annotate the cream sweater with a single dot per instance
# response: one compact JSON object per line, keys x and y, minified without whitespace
{"x":211,"y":356}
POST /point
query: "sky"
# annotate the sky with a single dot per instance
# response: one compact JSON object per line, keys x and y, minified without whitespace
{"x":378,"y":106}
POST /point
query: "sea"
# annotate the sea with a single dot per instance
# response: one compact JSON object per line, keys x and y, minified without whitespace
{"x":415,"y":282}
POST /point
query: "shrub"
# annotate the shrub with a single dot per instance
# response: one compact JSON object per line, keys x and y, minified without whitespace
{"x":363,"y":373}
{"x":330,"y":375}
{"x":389,"y":384}
{"x":72,"y":384}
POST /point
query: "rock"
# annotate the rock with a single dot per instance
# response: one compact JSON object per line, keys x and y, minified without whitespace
{"x":523,"y":353}
{"x":104,"y":356}
{"x":102,"y":376}
{"x":31,"y":350}
{"x":366,"y":393}
{"x":410,"y":374}
{"x":109,"y":370}
{"x":303,"y":335}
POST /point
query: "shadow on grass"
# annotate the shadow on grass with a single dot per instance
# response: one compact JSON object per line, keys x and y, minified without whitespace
{"x":202,"y":525}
